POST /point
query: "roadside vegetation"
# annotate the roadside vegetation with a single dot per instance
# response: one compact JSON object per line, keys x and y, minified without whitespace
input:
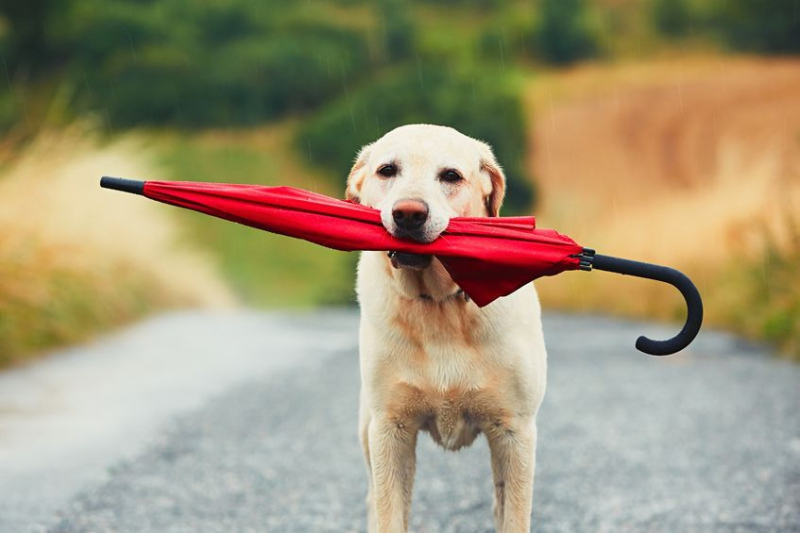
{"x":75,"y":262}
{"x":768,"y":287}
{"x":284,"y":93}
{"x":262,"y":269}
{"x":706,"y":181}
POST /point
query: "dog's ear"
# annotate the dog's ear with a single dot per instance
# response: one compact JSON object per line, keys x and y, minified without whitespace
{"x":498,"y":180}
{"x":357,"y":175}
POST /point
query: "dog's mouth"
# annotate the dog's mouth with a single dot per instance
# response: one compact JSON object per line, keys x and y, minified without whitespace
{"x":411,"y":261}
{"x":416,"y":235}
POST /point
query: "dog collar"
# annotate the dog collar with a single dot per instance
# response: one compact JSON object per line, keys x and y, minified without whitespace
{"x":459,"y":294}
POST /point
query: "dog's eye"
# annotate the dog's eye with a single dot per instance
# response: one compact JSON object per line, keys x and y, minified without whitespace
{"x":451,"y":176}
{"x":388,"y":171}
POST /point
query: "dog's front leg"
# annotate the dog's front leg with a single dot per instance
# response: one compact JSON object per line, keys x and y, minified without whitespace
{"x":392,"y":448}
{"x":513,"y":450}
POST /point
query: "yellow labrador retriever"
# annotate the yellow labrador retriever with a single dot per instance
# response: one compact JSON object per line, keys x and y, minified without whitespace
{"x":431,"y":359}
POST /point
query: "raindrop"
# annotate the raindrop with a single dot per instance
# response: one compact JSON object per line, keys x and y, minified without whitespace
{"x":25,"y":109}
{"x":8,"y":76}
{"x":108,"y":121}
{"x":46,"y":32}
{"x":502,"y":54}
{"x":88,"y":87}
{"x":133,"y":49}
{"x":344,"y":80}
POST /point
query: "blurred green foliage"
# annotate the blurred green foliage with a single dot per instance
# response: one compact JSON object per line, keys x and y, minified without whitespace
{"x":242,"y":62}
{"x":75,"y":308}
{"x":396,"y":29}
{"x":765,"y":27}
{"x":25,"y":46}
{"x":263,"y":269}
{"x":672,"y":17}
{"x":768,"y":292}
{"x":220,"y":64}
{"x":771,"y":27}
{"x":427,"y":93}
{"x":232,"y":63}
{"x":10,"y":109}
{"x":563,"y":35}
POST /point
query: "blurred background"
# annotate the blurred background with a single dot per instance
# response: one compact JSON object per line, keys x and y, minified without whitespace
{"x":659,"y":130}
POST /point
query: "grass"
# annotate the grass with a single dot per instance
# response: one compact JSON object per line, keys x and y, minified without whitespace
{"x":69,"y":306}
{"x":263,"y":269}
{"x":761,"y":296}
{"x":76,"y":260}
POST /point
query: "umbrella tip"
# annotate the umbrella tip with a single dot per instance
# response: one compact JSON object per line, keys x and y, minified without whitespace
{"x":122,"y":184}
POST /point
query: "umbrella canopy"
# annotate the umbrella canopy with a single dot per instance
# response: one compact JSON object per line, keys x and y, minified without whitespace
{"x":487,"y":257}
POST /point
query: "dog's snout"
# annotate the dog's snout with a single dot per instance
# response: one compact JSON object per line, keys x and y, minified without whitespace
{"x":410,"y":214}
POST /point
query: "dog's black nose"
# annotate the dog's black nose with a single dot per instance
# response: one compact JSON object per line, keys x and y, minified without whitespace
{"x":410,"y":214}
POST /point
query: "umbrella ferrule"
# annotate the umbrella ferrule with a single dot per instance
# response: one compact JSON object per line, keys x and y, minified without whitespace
{"x":122,"y":184}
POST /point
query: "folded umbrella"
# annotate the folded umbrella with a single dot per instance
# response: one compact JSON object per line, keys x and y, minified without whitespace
{"x":487,"y":257}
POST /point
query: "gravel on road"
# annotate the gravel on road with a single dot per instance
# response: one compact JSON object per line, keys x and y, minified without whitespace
{"x":706,"y":440}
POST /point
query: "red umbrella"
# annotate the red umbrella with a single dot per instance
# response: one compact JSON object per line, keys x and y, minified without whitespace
{"x":487,"y":257}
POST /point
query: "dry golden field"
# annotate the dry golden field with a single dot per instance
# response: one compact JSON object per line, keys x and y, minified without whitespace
{"x":75,"y":259}
{"x":692,"y":163}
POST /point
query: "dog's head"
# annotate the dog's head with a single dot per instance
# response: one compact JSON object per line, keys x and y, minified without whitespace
{"x":419,"y":176}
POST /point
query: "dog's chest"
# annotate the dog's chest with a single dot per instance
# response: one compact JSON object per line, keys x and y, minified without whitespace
{"x":445,"y":368}
{"x":454,"y":417}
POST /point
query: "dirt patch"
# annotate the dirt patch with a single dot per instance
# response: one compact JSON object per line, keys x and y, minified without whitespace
{"x":693,"y":163}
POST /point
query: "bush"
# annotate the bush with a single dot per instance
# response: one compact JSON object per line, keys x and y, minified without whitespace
{"x":759,"y":296}
{"x":672,"y":17}
{"x":478,"y":4}
{"x":509,"y":41}
{"x":24,"y":35}
{"x":396,"y":30}
{"x":170,"y":62}
{"x":10,"y":109}
{"x":771,"y":27}
{"x":481,"y":108}
{"x":562,"y":35}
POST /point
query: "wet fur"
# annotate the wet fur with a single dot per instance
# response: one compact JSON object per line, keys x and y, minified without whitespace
{"x":440,"y":364}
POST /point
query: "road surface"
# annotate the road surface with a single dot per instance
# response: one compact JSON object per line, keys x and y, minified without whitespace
{"x":246,"y":421}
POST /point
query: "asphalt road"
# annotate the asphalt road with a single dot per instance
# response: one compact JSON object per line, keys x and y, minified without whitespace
{"x":247,"y":422}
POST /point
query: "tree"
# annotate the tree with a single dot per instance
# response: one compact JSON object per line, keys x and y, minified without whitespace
{"x":26,"y":44}
{"x":760,"y":26}
{"x":397,"y":29}
{"x":672,"y":17}
{"x":562,"y":36}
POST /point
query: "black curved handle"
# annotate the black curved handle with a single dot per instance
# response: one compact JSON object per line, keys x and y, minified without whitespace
{"x":694,"y":304}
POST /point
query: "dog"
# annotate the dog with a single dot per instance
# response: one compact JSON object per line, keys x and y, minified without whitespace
{"x":431,"y":360}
